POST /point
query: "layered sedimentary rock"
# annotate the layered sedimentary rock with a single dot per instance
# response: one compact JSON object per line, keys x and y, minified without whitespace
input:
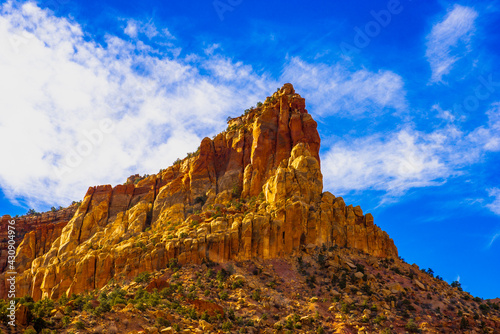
{"x":38,"y":230}
{"x":254,"y":191}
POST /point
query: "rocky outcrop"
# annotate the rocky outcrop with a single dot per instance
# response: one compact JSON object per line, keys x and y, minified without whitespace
{"x":37,"y":230}
{"x":253,"y":191}
{"x":34,"y":235}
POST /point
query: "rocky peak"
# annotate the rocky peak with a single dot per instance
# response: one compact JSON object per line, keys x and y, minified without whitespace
{"x":254,"y":191}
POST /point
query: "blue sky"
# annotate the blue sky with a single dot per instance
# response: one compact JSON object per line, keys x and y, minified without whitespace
{"x":406,"y":95}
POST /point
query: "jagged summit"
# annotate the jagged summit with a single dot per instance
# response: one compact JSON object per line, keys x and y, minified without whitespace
{"x":253,"y":191}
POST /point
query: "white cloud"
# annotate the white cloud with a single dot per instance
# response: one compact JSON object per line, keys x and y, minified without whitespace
{"x":446,"y":115}
{"x":134,"y":28}
{"x":493,"y":239}
{"x":392,"y":163}
{"x":449,"y":40}
{"x":395,"y":162}
{"x":131,"y":29}
{"x":488,"y":137}
{"x":209,"y":51}
{"x":338,"y":90}
{"x":494,"y":206}
{"x":56,"y":88}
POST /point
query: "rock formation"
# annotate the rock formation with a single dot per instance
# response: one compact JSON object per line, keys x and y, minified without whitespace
{"x":39,"y":230}
{"x":253,"y":191}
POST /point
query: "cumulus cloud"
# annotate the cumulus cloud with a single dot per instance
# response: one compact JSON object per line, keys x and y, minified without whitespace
{"x":449,"y":40}
{"x":393,"y":163}
{"x":397,"y":161}
{"x":338,"y":90}
{"x":131,"y":29}
{"x":75,"y":113}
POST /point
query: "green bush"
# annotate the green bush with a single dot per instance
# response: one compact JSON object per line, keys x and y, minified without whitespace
{"x":256,"y":295}
{"x":237,"y":284}
{"x":227,"y":326}
{"x":209,"y":273}
{"x":289,"y":323}
{"x":223,"y":295}
{"x":43,"y":307}
{"x":221,"y":275}
{"x":140,"y":306}
{"x":204,"y":316}
{"x":484,"y":308}
{"x":456,"y":284}
{"x":79,"y":325}
{"x":162,"y":322}
{"x":173,"y":264}
{"x":103,"y":307}
{"x":192,"y":313}
{"x":117,"y":296}
{"x":167,"y":292}
{"x":63,"y":299}
{"x":345,"y":308}
{"x":65,"y":321}
{"x":464,"y":324}
{"x":411,"y":326}
{"x":142,"y":277}
{"x":39,"y":324}
{"x":379,"y":319}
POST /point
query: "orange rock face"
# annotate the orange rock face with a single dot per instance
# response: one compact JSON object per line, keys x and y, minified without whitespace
{"x":34,"y":237}
{"x":44,"y":229}
{"x":254,"y":190}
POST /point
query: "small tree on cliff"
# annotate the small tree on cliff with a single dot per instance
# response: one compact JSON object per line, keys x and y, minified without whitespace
{"x":456,"y":284}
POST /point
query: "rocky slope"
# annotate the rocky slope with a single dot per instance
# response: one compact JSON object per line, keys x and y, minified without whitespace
{"x":253,"y":191}
{"x":319,"y":290}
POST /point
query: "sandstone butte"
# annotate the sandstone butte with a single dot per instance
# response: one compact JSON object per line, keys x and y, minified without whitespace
{"x":253,"y":191}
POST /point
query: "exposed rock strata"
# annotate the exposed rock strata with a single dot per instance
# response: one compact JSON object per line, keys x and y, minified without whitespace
{"x":254,"y":190}
{"x":39,"y":231}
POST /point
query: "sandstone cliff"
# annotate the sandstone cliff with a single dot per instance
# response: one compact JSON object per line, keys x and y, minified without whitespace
{"x":39,"y":231}
{"x":253,"y":191}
